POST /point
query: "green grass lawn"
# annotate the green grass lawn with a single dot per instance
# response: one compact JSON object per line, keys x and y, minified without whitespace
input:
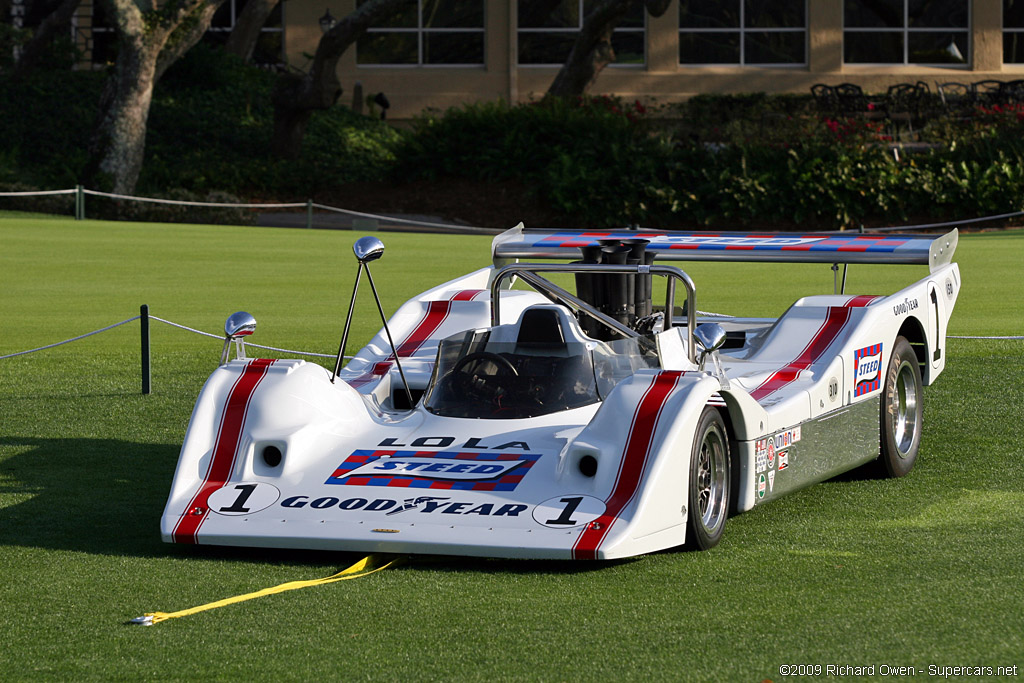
{"x":926,"y":570}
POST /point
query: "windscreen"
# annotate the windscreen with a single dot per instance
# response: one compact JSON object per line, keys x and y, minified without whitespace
{"x":477,"y":378}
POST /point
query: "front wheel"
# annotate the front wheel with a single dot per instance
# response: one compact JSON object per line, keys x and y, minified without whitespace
{"x":901,"y":412}
{"x":708,"y":495}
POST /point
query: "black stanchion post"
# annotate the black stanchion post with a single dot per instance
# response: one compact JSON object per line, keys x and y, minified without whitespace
{"x":144,"y":326}
{"x":309,"y":214}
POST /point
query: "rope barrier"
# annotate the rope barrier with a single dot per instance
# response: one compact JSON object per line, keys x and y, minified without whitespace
{"x":956,"y":336}
{"x":949,"y":224}
{"x":68,"y":341}
{"x":178,"y":202}
{"x":393,"y":219}
{"x":36,"y":193}
{"x":327,"y":355}
{"x":258,"y":346}
{"x":309,"y":205}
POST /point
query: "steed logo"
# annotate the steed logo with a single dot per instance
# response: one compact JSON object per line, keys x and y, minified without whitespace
{"x":450,"y":470}
{"x":867,"y":369}
{"x":434,"y":468}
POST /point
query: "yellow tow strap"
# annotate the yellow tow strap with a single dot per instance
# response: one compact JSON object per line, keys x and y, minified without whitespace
{"x":364,"y":567}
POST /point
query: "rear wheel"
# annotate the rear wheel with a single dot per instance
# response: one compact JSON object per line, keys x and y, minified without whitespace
{"x":902,"y":412}
{"x":708,"y":495}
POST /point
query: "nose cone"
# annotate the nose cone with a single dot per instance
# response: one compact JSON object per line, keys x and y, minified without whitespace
{"x":368,"y":249}
{"x":240,"y":324}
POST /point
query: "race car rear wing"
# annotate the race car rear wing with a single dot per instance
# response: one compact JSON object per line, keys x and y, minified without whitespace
{"x":536,"y":243}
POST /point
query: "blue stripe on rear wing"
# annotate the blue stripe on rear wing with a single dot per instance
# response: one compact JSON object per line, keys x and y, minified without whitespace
{"x":933,"y":250}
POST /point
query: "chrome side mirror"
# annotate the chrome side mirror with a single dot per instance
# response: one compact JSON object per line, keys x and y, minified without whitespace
{"x":711,"y":337}
{"x":238,"y":326}
{"x":368,"y":249}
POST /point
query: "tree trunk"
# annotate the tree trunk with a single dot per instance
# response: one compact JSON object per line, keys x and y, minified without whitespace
{"x":119,"y":143}
{"x":592,"y":51}
{"x":54,"y":23}
{"x":146,"y":48}
{"x":295,"y":97}
{"x":185,"y":37}
{"x":246,"y":32}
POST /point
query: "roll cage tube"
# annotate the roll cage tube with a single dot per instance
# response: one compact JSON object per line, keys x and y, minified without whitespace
{"x":528,"y":273}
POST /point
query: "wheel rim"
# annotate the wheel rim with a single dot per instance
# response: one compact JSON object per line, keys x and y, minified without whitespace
{"x":904,"y":409}
{"x":710,"y":482}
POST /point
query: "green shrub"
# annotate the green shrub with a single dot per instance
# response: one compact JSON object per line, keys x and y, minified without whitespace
{"x":210,"y":128}
{"x":727,"y":161}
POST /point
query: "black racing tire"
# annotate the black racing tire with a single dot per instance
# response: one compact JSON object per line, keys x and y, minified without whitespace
{"x":708,"y":491}
{"x":901,"y":412}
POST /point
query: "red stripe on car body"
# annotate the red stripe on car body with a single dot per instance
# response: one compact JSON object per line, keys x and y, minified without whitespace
{"x":437,"y":313}
{"x":225,"y":450}
{"x":635,"y":458}
{"x":836,"y":319}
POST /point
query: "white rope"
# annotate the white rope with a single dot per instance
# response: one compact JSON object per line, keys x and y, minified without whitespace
{"x":409,"y":221}
{"x":177,"y":202}
{"x":953,"y":336}
{"x":428,"y":224}
{"x":36,"y":193}
{"x":190,"y":329}
{"x":258,"y":346}
{"x":68,"y":341}
{"x":320,"y":355}
{"x":948,"y":224}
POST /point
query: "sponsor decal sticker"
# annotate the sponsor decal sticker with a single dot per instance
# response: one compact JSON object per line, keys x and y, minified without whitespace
{"x":867,"y":369}
{"x":771,"y":480}
{"x":761,"y":455}
{"x":450,"y":470}
{"x":904,"y":307}
{"x":442,"y":505}
{"x":760,"y":486}
{"x":766,"y":450}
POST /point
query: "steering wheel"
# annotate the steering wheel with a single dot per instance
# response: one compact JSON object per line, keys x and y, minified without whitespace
{"x":467,"y":374}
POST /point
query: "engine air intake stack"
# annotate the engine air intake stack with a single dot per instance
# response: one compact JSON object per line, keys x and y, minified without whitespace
{"x":626,"y":297}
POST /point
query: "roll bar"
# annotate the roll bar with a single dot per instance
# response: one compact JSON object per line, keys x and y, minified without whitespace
{"x":528,"y":273}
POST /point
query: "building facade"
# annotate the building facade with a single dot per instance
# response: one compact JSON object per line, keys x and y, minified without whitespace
{"x":441,"y":53}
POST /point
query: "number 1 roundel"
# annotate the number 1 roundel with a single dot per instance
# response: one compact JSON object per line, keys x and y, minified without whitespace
{"x":244,"y":498}
{"x":565,"y":512}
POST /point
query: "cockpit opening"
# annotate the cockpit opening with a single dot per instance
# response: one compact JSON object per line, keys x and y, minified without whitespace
{"x":539,"y":365}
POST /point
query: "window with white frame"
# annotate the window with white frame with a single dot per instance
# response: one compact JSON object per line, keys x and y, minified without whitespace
{"x":548,"y":29}
{"x":929,"y":32}
{"x":748,"y":32}
{"x":1013,"y":31}
{"x":426,"y":33}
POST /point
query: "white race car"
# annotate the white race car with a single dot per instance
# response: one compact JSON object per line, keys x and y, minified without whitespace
{"x":539,"y":422}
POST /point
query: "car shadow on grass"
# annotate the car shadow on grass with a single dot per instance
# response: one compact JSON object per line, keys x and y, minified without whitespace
{"x":101,"y":496}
